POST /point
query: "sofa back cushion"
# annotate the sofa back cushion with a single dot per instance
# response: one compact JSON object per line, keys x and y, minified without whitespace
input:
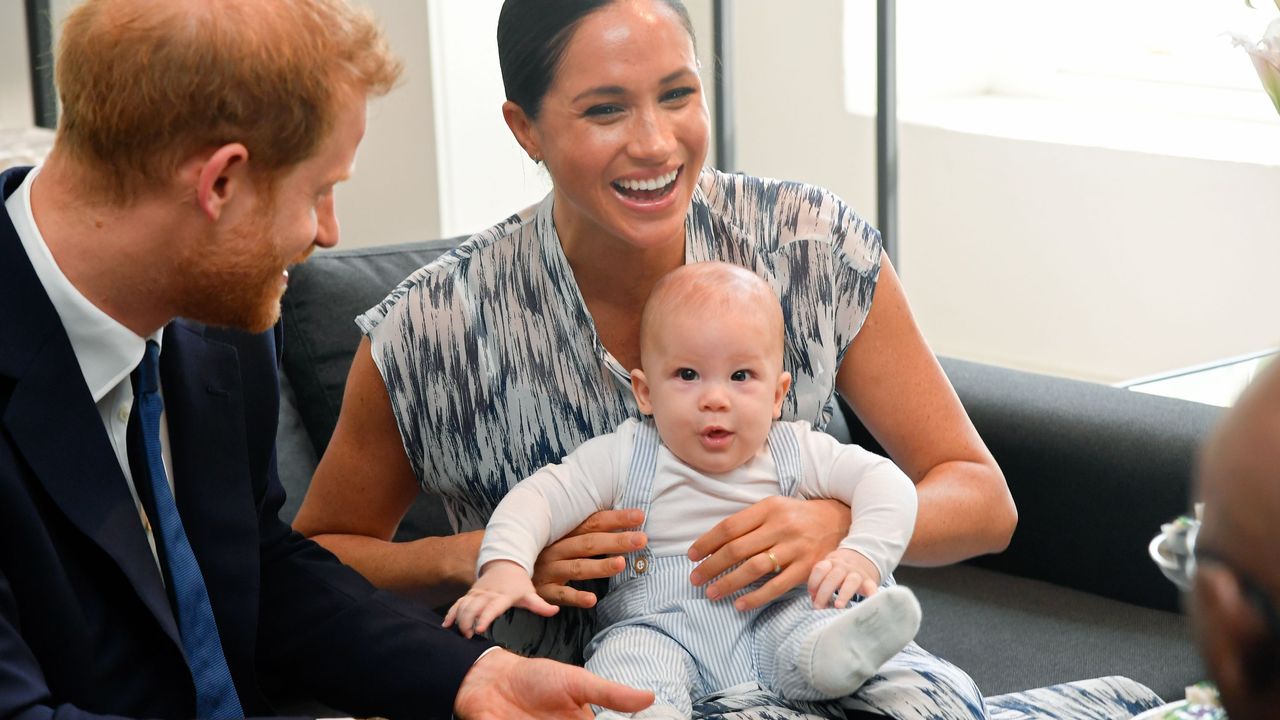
{"x":320,"y":335}
{"x":1093,"y":469}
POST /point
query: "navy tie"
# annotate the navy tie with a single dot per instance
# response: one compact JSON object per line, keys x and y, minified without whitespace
{"x":215,"y":693}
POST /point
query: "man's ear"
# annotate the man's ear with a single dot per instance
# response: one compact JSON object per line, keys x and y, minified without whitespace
{"x":640,"y":388}
{"x":220,"y":177}
{"x":780,"y":394}
{"x":522,"y":128}
{"x":1227,"y":627}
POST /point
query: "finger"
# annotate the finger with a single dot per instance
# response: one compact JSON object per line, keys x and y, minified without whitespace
{"x":593,"y":545}
{"x":608,"y":521}
{"x":830,"y":585}
{"x":580,"y":568}
{"x":731,"y":528}
{"x":534,"y":603}
{"x":486,"y":616}
{"x":466,"y":618}
{"x":750,"y":552}
{"x":449,"y":616}
{"x":776,"y":587}
{"x":754,"y":568}
{"x":819,"y":571}
{"x":594,"y":690}
{"x":847,"y":590}
{"x":566,"y":596}
{"x":868,"y":588}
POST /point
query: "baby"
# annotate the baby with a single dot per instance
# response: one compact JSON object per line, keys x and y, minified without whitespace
{"x":711,"y":377}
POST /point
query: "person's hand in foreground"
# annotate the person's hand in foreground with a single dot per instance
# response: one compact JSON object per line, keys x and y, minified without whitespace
{"x":799,"y":533}
{"x":503,"y":686}
{"x":502,"y":585}
{"x":840,"y":575}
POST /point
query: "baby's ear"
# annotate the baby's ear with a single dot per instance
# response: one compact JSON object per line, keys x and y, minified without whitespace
{"x":640,"y":388}
{"x":784,"y":384}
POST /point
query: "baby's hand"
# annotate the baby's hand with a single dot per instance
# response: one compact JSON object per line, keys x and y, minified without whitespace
{"x":842,"y":573}
{"x":502,"y":585}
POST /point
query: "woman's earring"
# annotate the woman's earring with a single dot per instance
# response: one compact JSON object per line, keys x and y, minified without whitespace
{"x":536,"y":158}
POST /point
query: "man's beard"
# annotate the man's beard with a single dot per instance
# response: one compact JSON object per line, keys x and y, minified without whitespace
{"x":236,"y":282}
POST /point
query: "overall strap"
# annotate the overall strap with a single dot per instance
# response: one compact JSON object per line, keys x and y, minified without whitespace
{"x":637,"y":492}
{"x":785,"y":448}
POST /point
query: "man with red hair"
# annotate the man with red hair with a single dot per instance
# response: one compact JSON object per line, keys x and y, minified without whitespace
{"x":143,"y":569}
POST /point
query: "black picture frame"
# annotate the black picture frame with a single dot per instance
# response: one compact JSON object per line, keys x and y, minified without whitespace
{"x":44,"y":101}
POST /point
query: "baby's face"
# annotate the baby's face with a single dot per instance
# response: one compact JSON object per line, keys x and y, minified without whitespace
{"x":713,"y":386}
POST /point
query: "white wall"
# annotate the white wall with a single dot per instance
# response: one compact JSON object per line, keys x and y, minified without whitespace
{"x":394,"y":195}
{"x":484,"y":175}
{"x":1088,"y":262}
{"x":15,"y":83}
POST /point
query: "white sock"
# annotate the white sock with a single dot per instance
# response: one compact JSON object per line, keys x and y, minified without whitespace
{"x":837,"y":658}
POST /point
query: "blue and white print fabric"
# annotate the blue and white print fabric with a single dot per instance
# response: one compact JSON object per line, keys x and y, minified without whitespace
{"x":494,"y":367}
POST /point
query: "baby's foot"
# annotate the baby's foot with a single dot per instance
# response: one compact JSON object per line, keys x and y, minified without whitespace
{"x":848,"y":651}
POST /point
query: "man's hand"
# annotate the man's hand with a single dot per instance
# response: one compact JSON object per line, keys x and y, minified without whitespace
{"x":503,"y":686}
{"x":799,"y":533}
{"x":502,"y":585}
{"x":843,"y":574}
{"x":576,"y":556}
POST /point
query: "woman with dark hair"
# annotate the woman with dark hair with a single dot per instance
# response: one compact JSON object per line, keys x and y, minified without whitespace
{"x":510,"y":351}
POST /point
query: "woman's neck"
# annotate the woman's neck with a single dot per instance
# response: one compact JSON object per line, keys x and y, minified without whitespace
{"x":613,"y":271}
{"x":614,"y":278}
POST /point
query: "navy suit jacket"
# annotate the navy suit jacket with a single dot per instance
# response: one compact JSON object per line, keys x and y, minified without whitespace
{"x":86,"y":628}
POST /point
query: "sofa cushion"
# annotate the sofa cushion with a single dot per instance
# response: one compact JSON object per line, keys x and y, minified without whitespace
{"x":1093,"y":469}
{"x":320,"y":335}
{"x":1013,"y":633}
{"x":320,"y":338}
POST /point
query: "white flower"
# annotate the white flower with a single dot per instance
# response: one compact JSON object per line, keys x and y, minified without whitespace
{"x":1266,"y":59}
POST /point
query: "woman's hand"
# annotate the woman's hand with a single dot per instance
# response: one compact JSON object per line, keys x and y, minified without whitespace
{"x":577,"y":556}
{"x":777,"y":534}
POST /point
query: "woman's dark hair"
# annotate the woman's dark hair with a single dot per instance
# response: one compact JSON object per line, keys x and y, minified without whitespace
{"x":532,"y":35}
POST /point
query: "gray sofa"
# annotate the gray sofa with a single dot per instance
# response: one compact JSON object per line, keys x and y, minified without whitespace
{"x":1094,"y":471}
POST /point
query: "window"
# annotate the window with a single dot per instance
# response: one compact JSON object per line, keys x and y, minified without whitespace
{"x":1164,"y":56}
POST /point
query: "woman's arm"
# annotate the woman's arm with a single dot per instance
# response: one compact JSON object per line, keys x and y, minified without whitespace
{"x":364,"y":485}
{"x":362,"y":489}
{"x":894,"y":383}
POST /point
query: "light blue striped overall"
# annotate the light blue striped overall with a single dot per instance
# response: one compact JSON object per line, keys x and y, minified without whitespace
{"x":662,"y":633}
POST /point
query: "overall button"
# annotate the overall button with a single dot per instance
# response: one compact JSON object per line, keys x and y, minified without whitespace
{"x":641,"y":565}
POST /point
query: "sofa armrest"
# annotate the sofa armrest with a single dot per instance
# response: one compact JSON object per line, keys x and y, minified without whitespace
{"x":1094,"y":471}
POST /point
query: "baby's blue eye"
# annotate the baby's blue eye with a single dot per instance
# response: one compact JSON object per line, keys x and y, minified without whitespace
{"x":740,"y":376}
{"x":687,"y":374}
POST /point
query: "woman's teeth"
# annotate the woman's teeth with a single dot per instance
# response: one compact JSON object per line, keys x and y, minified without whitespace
{"x":657,"y":183}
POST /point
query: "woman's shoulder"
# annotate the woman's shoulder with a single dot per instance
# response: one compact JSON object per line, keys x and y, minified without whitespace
{"x":482,"y":260}
{"x":786,"y":209}
{"x":503,"y":240}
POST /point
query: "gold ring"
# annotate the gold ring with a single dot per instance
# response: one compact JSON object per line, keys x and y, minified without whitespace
{"x":777,"y":566}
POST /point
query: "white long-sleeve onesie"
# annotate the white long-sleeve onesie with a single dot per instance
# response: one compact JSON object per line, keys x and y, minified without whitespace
{"x":686,"y":503}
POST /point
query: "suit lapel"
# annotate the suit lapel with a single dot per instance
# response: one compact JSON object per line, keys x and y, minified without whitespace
{"x":55,"y":426}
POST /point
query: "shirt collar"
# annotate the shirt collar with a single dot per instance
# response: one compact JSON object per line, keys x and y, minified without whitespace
{"x":106,"y":350}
